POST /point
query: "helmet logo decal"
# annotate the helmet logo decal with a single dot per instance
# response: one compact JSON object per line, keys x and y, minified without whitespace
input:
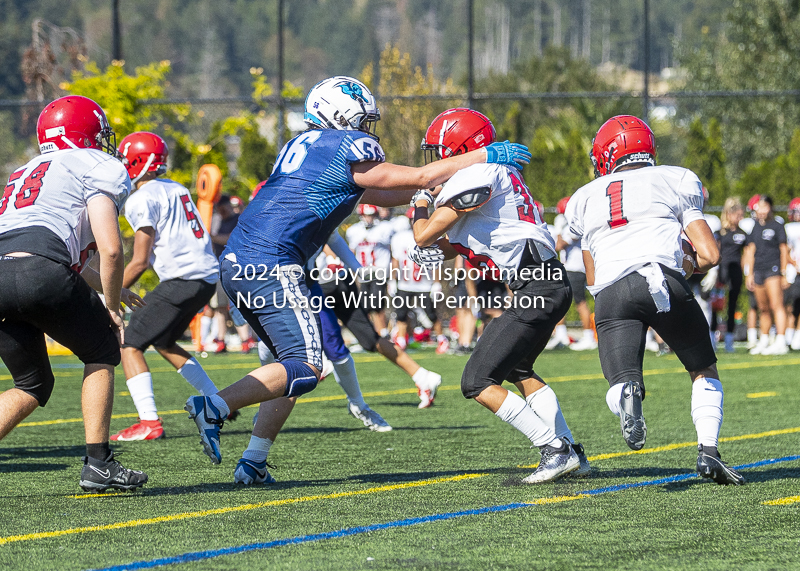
{"x":54,"y":132}
{"x":353,"y":90}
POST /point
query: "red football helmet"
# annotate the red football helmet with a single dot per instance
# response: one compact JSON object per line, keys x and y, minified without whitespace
{"x":540,"y":207}
{"x":143,"y":152}
{"x":561,"y":207}
{"x":794,"y":210}
{"x":622,"y":140}
{"x":457,"y":131}
{"x":753,"y":202}
{"x":367,"y":210}
{"x":74,"y":122}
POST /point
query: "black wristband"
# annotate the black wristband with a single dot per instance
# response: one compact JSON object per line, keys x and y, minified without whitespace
{"x":420,"y":213}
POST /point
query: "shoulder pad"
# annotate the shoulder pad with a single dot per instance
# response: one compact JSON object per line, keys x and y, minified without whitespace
{"x":472,"y":199}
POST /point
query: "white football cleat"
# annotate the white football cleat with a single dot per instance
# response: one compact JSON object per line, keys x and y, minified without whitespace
{"x":585,"y":344}
{"x":760,"y":347}
{"x":554,"y":464}
{"x":370,"y":418}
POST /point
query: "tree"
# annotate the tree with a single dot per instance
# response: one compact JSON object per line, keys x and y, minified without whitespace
{"x":778,"y":177}
{"x":757,"y":50}
{"x":705,"y":156}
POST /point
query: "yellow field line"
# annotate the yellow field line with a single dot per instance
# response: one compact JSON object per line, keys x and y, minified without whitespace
{"x":240,"y":508}
{"x":647,"y":373}
{"x":678,"y":445}
{"x":765,"y":394}
{"x":557,"y":499}
{"x":783,"y":501}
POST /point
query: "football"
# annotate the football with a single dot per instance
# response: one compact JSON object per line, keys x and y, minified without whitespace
{"x":689,"y":258}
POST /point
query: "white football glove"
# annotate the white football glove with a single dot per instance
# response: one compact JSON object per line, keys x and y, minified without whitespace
{"x":428,"y":257}
{"x":710,"y":280}
{"x":422,"y":195}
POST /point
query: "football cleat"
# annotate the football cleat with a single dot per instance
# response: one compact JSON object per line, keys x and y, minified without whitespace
{"x":142,"y":430}
{"x":555,"y":343}
{"x":584,"y":469}
{"x":209,"y":421}
{"x":555,"y":463}
{"x":427,"y":393}
{"x":369,"y":417}
{"x":776,"y":348}
{"x":248,"y":345}
{"x":631,"y":417}
{"x":248,"y":472}
{"x":584,"y":344}
{"x":218,"y":346}
{"x":99,"y":476}
{"x":710,"y":465}
{"x":442,"y":345}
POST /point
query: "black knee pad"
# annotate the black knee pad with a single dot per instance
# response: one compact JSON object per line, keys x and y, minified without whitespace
{"x":475,"y":379}
{"x":39,"y":385}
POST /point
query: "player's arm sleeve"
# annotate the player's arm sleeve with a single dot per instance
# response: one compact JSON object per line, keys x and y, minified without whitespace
{"x":689,"y":207}
{"x":342,"y":251}
{"x":141,"y":211}
{"x":574,"y":216}
{"x":364,"y":149}
{"x":108,"y":178}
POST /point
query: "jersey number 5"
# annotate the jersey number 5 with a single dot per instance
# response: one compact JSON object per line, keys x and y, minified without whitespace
{"x":191,"y":217}
{"x":30,"y":188}
{"x":614,"y":194}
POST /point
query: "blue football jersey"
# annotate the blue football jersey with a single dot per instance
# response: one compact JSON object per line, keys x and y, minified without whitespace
{"x":309,"y":193}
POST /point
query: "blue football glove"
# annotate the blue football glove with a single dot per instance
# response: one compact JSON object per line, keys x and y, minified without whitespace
{"x":509,"y":154}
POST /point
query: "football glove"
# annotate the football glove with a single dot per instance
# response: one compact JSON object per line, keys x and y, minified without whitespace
{"x":421,"y":195}
{"x":710,"y":280}
{"x":508,"y":154}
{"x":427,"y":257}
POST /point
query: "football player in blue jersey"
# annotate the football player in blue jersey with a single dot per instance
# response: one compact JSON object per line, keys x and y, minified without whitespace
{"x":318,"y":178}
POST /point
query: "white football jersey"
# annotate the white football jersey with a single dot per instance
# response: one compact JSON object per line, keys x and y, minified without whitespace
{"x":182,"y":247}
{"x":411,"y":277}
{"x":633,"y":218}
{"x":496,"y":234}
{"x":572,"y":255}
{"x":747,"y":224}
{"x":793,"y":240}
{"x":53,"y":191}
{"x":372,"y":246}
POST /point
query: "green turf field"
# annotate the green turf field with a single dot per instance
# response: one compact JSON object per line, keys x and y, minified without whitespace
{"x":455,"y":457}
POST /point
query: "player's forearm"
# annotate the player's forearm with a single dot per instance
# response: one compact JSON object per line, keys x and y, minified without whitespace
{"x":112,"y":268}
{"x":447,"y":248}
{"x":133,"y":271}
{"x":439,"y":172}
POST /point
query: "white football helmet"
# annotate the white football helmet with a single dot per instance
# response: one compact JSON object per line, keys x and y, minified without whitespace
{"x":342,"y":103}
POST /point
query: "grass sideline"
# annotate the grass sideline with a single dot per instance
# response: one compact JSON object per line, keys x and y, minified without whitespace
{"x":455,"y":457}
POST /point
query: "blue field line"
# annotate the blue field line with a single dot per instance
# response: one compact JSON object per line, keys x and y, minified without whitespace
{"x":203,"y":555}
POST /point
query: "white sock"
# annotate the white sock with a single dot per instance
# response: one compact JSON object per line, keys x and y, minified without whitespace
{"x":780,"y":340}
{"x":796,"y":342}
{"x":763,"y":340}
{"x":258,"y":449}
{"x":421,"y":377}
{"x":516,"y":412}
{"x":264,"y":354}
{"x":789,"y":335}
{"x":545,"y":404}
{"x":141,"y":389}
{"x":561,"y":333}
{"x":194,"y":374}
{"x":588,"y":334}
{"x":612,"y":398}
{"x":221,"y":405}
{"x":707,"y":410}
{"x":752,"y":335}
{"x":205,"y":328}
{"x":345,"y":374}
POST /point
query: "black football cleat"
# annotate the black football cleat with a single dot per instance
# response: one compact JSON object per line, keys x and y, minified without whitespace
{"x":99,"y":476}
{"x":710,"y":465}
{"x":631,"y":417}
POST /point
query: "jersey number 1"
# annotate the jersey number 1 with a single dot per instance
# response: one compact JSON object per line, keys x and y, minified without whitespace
{"x":30,"y":188}
{"x":614,"y":194}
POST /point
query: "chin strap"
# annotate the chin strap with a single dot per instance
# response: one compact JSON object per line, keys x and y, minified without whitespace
{"x":144,"y":168}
